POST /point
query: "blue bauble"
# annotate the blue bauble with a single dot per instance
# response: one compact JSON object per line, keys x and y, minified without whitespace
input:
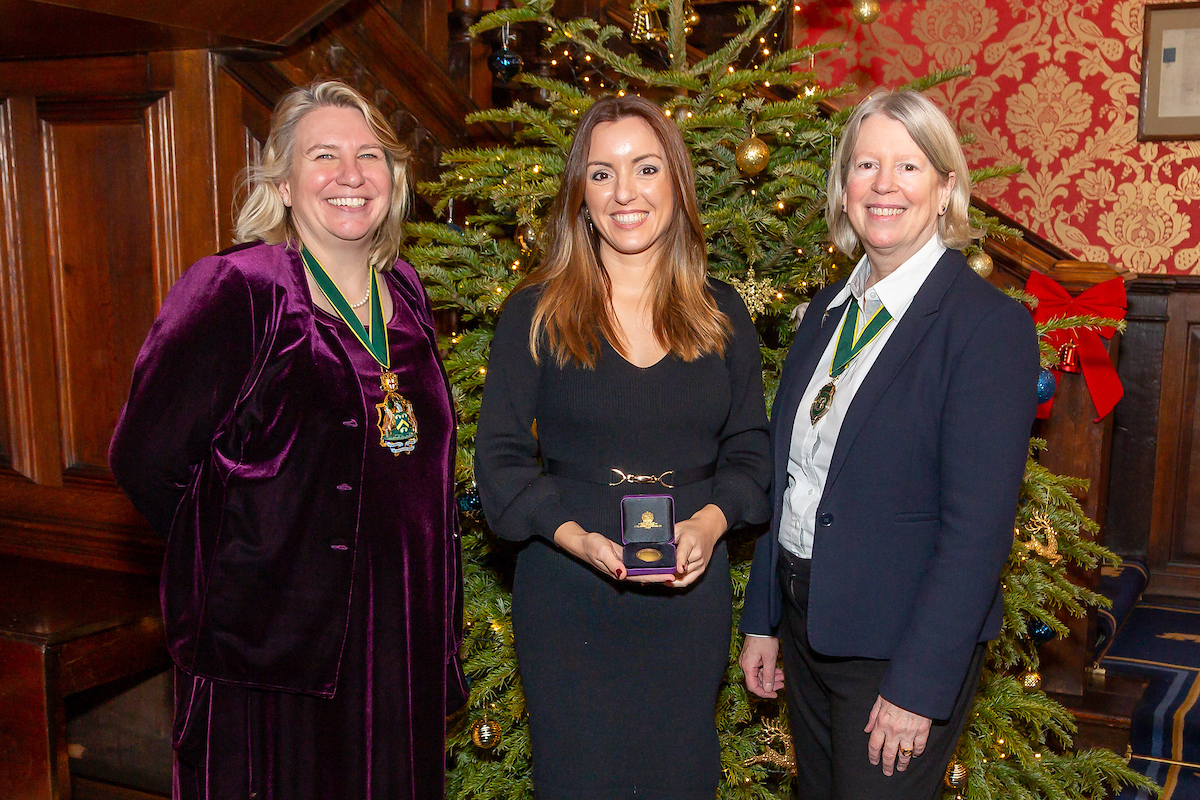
{"x":1047,"y":383}
{"x":469,"y":503}
{"x":1040,"y":632}
{"x":505,"y":64}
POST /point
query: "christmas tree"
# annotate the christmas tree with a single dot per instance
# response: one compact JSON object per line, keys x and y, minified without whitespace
{"x":761,"y":135}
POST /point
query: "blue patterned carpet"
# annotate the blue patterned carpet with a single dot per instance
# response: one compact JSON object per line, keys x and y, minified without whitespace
{"x":1162,"y":645}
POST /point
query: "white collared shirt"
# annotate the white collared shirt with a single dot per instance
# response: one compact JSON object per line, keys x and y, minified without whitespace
{"x":812,"y":446}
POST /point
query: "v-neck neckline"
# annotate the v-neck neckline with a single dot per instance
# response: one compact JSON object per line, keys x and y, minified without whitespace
{"x":617,"y":353}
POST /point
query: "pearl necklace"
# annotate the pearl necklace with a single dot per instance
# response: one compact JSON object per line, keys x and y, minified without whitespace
{"x":366,"y":296}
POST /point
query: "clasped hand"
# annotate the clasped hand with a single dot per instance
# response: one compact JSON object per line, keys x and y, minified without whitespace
{"x":695,"y":539}
{"x":897,"y":735}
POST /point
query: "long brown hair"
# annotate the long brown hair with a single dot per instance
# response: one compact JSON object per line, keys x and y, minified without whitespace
{"x":575,"y":308}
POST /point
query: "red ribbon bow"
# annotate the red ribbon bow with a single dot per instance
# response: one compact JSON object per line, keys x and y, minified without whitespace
{"x":1102,"y":300}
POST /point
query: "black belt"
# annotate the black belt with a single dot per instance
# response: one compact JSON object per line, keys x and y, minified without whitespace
{"x":615,"y":477}
{"x":794,"y":564}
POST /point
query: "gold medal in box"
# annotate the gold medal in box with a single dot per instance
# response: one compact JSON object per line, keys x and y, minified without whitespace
{"x":648,"y":533}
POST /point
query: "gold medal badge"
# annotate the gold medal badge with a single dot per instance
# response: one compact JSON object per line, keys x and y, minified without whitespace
{"x":649,"y":554}
{"x":849,"y":344}
{"x":822,"y":402}
{"x":397,"y":422}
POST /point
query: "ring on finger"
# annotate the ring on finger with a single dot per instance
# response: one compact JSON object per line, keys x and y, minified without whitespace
{"x":906,"y":752}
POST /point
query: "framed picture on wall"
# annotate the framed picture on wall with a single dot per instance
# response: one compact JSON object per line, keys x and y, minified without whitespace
{"x":1170,"y":99}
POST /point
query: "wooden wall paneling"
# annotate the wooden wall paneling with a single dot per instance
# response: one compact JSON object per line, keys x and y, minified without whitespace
{"x":31,"y":764}
{"x":267,"y":21}
{"x":427,"y":22}
{"x":265,"y":80}
{"x":1185,"y":535}
{"x":240,"y":119}
{"x":34,"y":29}
{"x":112,"y":162}
{"x":1174,"y":551}
{"x":481,"y":78}
{"x":1135,"y":420}
{"x":166,"y":263}
{"x":5,"y":445}
{"x":28,"y":332}
{"x":191,"y":154}
{"x":103,"y":241}
{"x":8,"y":255}
{"x":78,"y":77}
{"x":89,"y":523}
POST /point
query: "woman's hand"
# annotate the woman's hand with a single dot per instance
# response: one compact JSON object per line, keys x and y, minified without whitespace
{"x":896,"y":735}
{"x":594,"y":549}
{"x":695,"y":539}
{"x":759,"y":662}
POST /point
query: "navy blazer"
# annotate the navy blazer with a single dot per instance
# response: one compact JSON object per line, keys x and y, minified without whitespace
{"x":916,"y":520}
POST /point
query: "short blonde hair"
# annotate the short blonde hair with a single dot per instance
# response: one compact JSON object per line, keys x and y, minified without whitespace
{"x":933,"y":132}
{"x":264,"y":217}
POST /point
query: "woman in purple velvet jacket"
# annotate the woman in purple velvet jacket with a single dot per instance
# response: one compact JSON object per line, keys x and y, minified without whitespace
{"x":297,"y":452}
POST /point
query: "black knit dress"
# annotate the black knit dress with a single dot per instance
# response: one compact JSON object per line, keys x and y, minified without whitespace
{"x":620,"y":679}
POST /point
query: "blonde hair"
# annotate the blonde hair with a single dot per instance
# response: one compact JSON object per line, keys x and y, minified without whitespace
{"x":933,"y":132}
{"x":575,"y":308}
{"x":263,"y":215}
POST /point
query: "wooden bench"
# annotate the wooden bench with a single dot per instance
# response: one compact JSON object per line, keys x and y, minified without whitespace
{"x":64,"y":629}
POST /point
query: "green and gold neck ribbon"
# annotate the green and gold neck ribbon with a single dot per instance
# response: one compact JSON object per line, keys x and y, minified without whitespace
{"x":375,"y":340}
{"x":850,"y":343}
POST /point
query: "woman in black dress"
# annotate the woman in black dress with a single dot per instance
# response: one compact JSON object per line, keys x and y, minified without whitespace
{"x":618,"y":357}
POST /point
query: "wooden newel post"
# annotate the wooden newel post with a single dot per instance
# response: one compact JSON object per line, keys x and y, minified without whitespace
{"x":1076,"y":445}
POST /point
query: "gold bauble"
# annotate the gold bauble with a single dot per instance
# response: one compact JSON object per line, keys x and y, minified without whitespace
{"x":485,"y":733}
{"x":690,"y":18}
{"x":981,"y":262}
{"x":1031,"y":681}
{"x":752,"y":155}
{"x":526,"y":236}
{"x":956,"y":774}
{"x":866,"y":11}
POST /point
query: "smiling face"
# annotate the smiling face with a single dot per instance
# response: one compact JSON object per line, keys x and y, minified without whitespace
{"x":628,"y":192}
{"x":893,"y":194}
{"x":340,"y":185}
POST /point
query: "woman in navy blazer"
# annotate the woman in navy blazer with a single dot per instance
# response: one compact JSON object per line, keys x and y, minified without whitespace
{"x":899,"y":438}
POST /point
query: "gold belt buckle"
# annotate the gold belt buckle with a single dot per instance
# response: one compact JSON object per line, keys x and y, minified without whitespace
{"x":623,"y":477}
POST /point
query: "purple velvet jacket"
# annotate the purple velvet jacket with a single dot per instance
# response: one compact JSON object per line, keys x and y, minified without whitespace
{"x":242,"y":443}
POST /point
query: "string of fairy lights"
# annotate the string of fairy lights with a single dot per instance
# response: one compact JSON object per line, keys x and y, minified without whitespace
{"x":647,"y":29}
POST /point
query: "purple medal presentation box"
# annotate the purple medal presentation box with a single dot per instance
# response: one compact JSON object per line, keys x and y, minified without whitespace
{"x":648,"y":533}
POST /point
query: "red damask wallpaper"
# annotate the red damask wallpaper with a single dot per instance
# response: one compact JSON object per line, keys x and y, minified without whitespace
{"x":1055,"y":89}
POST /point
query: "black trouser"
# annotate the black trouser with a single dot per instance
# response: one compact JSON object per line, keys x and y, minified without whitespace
{"x":829,"y":701}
